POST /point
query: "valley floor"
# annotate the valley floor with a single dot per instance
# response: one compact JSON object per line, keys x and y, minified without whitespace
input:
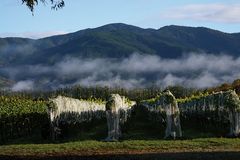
{"x":199,"y":148}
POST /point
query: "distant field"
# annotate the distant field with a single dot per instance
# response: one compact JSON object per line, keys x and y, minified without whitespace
{"x":223,"y":148}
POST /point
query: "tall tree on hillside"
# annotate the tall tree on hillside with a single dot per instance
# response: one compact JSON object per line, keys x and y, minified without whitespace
{"x":32,"y":3}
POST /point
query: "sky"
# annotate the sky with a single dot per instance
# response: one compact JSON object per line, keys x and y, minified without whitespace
{"x":17,"y":20}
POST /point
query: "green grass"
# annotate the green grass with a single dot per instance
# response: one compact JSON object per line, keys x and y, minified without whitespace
{"x":90,"y":147}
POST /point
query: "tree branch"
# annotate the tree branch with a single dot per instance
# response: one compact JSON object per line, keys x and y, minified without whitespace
{"x":56,"y":4}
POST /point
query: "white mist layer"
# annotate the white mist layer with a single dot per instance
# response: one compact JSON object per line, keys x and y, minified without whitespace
{"x":23,"y":85}
{"x":192,"y":70}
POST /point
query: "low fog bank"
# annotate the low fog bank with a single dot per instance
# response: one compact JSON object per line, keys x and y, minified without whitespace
{"x":197,"y":70}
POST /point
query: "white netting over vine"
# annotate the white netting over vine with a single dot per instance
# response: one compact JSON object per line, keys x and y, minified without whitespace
{"x":167,"y":104}
{"x":72,"y":110}
{"x":118,"y":109}
{"x":69,"y":110}
{"x":225,"y":104}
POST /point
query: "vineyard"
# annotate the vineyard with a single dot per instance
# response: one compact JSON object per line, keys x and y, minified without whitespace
{"x":25,"y":115}
{"x":21,"y":117}
{"x":25,"y":118}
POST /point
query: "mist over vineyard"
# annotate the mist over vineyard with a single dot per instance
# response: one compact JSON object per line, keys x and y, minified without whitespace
{"x":198,"y":70}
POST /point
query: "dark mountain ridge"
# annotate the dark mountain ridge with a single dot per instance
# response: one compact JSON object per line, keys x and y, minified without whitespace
{"x":118,"y":41}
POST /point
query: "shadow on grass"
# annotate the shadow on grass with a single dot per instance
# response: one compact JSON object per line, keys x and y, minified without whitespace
{"x":99,"y":133}
{"x":152,"y":156}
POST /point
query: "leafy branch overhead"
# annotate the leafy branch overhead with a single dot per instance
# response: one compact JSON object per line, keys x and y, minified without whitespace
{"x":32,"y":3}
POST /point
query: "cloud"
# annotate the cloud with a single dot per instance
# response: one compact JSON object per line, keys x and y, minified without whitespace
{"x":204,"y":80}
{"x":219,"y":12}
{"x":198,"y":70}
{"x":32,"y":35}
{"x":115,"y":81}
{"x":23,"y":85}
{"x":170,"y":80}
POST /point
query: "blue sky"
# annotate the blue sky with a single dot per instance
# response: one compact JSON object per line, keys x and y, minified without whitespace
{"x":17,"y":19}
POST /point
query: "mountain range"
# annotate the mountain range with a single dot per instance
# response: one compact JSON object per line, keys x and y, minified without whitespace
{"x":118,"y":41}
